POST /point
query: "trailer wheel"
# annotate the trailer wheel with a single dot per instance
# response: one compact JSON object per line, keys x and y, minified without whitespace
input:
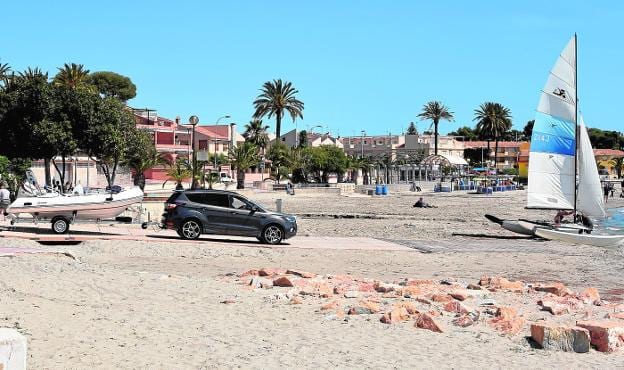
{"x":60,"y":225}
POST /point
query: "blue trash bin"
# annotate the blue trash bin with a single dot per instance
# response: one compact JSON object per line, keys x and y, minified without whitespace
{"x":384,"y":190}
{"x":377,"y":189}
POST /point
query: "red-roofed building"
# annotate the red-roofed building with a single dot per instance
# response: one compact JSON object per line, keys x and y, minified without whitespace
{"x":508,"y":155}
{"x":173,"y":139}
{"x":607,"y":159}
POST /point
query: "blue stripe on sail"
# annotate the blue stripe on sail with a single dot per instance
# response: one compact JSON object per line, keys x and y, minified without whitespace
{"x":548,"y":124}
{"x":545,"y":143}
{"x":553,"y":135}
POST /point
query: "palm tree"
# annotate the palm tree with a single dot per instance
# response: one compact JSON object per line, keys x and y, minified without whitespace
{"x":210,"y":178}
{"x":179,"y":171}
{"x":493,"y":120}
{"x":242,"y":158}
{"x":4,"y":72}
{"x":71,"y":76}
{"x":256,"y":133}
{"x":33,"y":74}
{"x":275,"y":98}
{"x":618,"y":165}
{"x":435,"y":111}
{"x":140,"y":164}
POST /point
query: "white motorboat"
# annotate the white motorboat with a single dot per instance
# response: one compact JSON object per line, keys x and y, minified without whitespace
{"x":63,"y":209}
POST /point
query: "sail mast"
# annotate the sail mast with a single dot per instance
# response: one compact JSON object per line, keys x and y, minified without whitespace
{"x":576,"y":130}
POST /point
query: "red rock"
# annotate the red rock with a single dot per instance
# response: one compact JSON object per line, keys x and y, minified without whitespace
{"x":382,"y":288}
{"x":372,"y":306}
{"x":422,"y":300}
{"x":506,"y":313}
{"x":460,"y":295}
{"x":457,"y":307}
{"x":466,"y":320}
{"x":282,"y":281}
{"x":409,"y":306}
{"x":296,"y":300}
{"x":441,"y":298}
{"x":271,"y":271}
{"x":606,"y":335}
{"x":411,"y":290}
{"x":416,"y":282}
{"x":365,"y":286}
{"x":507,"y":321}
{"x":425,"y":321}
{"x":557,"y":289}
{"x":249,"y":273}
{"x":497,"y":282}
{"x":590,"y":295}
{"x":560,"y":337}
{"x":303,"y":274}
{"x":554,"y":307}
{"x":434,"y":313}
{"x":318,"y":289}
{"x":331,"y":305}
{"x":395,"y":316}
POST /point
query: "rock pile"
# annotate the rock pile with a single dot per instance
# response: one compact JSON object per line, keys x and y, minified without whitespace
{"x":552,"y":315}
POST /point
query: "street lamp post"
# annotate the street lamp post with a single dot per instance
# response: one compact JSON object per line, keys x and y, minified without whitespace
{"x":215,"y":154}
{"x":362,"y":144}
{"x":193,"y":121}
{"x":222,"y":117}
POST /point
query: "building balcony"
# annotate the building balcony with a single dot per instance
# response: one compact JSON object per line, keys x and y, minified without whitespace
{"x":172,"y":148}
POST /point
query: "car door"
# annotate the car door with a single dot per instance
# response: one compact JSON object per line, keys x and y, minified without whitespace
{"x":243,"y":220}
{"x":215,"y":209}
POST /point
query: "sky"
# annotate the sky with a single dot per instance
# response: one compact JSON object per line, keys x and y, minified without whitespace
{"x":358,"y":65}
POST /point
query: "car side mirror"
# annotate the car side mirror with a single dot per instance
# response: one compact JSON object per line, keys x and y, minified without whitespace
{"x":253,"y":209}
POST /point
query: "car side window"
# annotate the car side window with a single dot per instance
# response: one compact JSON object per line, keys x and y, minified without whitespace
{"x":238,"y":203}
{"x":218,"y":200}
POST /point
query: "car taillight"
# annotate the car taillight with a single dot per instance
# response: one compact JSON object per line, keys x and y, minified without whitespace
{"x":170,"y":206}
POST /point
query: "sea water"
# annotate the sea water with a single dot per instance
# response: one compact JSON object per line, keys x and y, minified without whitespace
{"x":614,"y":224}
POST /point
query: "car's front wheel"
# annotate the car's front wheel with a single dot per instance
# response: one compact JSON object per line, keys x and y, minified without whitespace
{"x":190,"y":229}
{"x":272,"y":234}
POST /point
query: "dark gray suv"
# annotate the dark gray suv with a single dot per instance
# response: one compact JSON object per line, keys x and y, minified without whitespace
{"x":195,"y":212}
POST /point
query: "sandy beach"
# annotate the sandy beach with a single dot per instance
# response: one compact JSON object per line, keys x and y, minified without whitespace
{"x":158,"y":303}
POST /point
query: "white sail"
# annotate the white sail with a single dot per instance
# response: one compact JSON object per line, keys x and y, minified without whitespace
{"x":589,"y":199}
{"x":552,"y":177}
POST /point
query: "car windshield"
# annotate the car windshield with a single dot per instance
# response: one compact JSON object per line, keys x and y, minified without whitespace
{"x":257,"y":205}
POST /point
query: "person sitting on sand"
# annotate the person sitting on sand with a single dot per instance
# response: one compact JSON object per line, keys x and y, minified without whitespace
{"x":560,"y":215}
{"x":421,"y":204}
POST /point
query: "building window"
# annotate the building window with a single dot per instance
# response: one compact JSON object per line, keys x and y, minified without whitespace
{"x":203,"y":144}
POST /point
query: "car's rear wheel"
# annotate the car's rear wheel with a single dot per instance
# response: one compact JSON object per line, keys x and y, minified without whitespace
{"x":190,"y":229}
{"x":272,"y":234}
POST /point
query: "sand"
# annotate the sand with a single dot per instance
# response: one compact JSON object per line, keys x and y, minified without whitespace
{"x":156,"y":304}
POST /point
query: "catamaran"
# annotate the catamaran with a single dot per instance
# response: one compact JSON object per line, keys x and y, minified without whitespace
{"x":562,"y":169}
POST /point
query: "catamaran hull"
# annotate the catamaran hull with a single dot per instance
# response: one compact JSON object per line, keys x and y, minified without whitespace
{"x":84,"y":207}
{"x":605,"y":241}
{"x":517,"y":227}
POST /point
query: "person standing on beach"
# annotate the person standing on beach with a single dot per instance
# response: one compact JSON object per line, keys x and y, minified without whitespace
{"x":5,"y":200}
{"x":605,"y":191}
